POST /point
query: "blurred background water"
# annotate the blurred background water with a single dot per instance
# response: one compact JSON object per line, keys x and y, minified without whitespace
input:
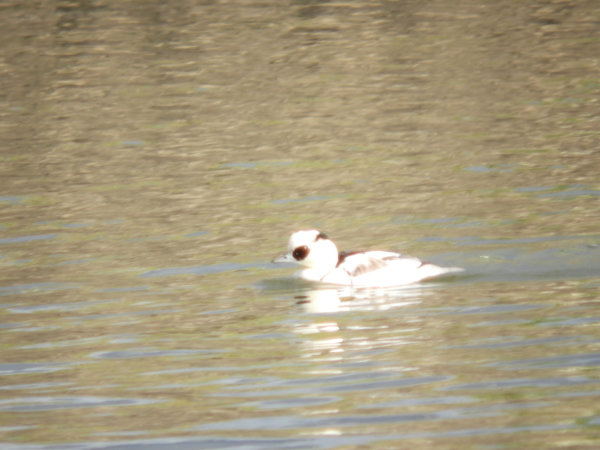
{"x":156,"y":155}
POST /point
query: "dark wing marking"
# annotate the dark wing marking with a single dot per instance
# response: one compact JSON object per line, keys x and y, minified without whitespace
{"x":358,"y":263}
{"x":369,"y":265}
{"x":343,"y":255}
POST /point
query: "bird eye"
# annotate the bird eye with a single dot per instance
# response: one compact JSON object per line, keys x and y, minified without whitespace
{"x":300,"y":253}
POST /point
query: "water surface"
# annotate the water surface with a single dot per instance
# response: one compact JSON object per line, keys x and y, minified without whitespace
{"x":157,"y":155}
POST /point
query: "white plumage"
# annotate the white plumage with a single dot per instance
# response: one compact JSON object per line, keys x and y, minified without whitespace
{"x":322,"y":262}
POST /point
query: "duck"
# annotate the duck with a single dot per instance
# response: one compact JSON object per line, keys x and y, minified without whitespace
{"x":322,"y":262}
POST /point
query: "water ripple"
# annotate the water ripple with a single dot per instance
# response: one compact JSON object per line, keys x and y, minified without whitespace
{"x":29,"y":404}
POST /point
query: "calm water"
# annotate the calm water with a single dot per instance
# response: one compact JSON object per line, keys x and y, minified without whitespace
{"x":156,"y":156}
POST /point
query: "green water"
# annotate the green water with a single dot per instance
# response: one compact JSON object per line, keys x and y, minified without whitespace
{"x":157,"y":155}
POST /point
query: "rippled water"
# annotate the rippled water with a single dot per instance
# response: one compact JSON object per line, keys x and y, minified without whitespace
{"x":156,"y":156}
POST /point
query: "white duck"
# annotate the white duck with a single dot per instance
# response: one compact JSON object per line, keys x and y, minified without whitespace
{"x":322,"y":262}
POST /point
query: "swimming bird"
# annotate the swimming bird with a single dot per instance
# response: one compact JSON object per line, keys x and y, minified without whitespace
{"x":322,"y":262}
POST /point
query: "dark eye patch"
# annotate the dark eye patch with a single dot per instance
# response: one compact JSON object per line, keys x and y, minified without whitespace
{"x":300,"y":253}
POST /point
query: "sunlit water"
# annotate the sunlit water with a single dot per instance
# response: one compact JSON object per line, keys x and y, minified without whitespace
{"x":156,"y":157}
